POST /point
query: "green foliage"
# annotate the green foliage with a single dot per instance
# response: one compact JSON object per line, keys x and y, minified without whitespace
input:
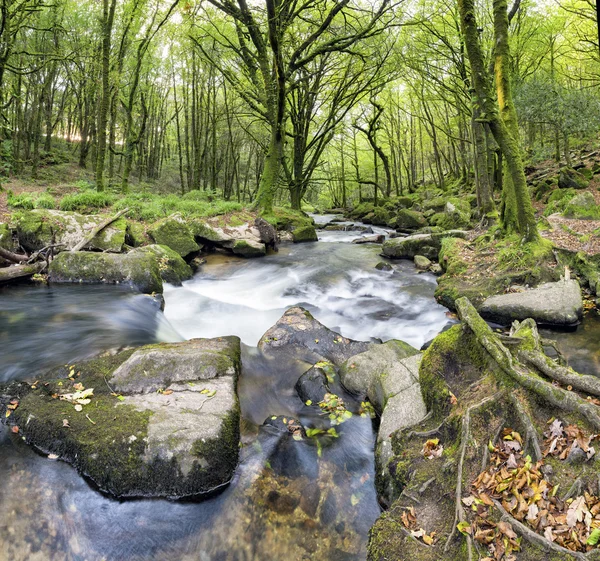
{"x":558,"y":200}
{"x":45,"y":200}
{"x":24,"y":201}
{"x":515,"y":255}
{"x":87,"y":201}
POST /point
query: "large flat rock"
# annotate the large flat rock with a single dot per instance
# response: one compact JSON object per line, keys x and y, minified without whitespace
{"x":419,"y":244}
{"x":38,"y":228}
{"x":140,"y":270}
{"x":162,"y":421}
{"x":553,"y":303}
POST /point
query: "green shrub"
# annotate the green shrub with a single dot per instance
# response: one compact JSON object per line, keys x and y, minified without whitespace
{"x":24,"y":201}
{"x":86,"y":201}
{"x":45,"y":200}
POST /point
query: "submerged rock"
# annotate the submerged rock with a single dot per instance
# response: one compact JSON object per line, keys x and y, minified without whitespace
{"x":139,"y":269}
{"x":552,"y":303}
{"x":299,"y":332}
{"x":377,"y":238}
{"x":383,"y":266}
{"x":427,"y":245}
{"x":173,"y":269}
{"x":312,"y":385}
{"x":167,"y":427}
{"x":39,"y":228}
{"x":174,"y":232}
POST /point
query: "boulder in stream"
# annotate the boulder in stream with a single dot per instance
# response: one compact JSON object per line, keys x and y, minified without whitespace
{"x":174,"y":232}
{"x":427,"y":245}
{"x":298,"y":332}
{"x":377,"y":238}
{"x":553,"y":303}
{"x":173,"y":269}
{"x":139,"y":269}
{"x":159,"y":421}
{"x":39,"y":228}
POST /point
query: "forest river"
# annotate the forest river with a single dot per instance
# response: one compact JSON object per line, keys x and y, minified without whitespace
{"x":48,"y":512}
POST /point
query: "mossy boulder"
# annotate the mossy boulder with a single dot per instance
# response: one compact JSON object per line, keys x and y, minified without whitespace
{"x":140,"y":270}
{"x":173,"y":269}
{"x":304,"y":234}
{"x":162,"y":421}
{"x":455,"y":216}
{"x":174,"y":232}
{"x":39,"y":228}
{"x":422,"y":263}
{"x":570,"y":178}
{"x":361,"y":210}
{"x":407,"y":220}
{"x":300,"y":225}
{"x":418,"y":244}
{"x":583,"y":206}
{"x":206,"y":232}
{"x":248,"y":248}
{"x":136,"y":235}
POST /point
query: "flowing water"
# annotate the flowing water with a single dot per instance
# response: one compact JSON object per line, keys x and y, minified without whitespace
{"x":288,"y":501}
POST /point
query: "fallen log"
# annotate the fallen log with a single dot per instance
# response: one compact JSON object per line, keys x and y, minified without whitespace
{"x":99,"y":229}
{"x":20,"y":271}
{"x":12,"y":257}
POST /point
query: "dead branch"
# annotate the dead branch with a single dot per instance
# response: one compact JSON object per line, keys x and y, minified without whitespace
{"x":12,"y":257}
{"x":20,"y":271}
{"x":99,"y":229}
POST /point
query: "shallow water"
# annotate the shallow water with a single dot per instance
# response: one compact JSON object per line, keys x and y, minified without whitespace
{"x":286,"y":502}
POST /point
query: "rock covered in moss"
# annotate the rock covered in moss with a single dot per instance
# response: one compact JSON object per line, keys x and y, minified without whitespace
{"x":174,"y":232}
{"x":167,"y":427}
{"x":298,"y":332}
{"x":173,"y":269}
{"x":6,"y":241}
{"x":248,"y":248}
{"x":570,"y":178}
{"x":421,"y":262}
{"x":138,"y":269}
{"x":244,"y":240}
{"x":407,"y":220}
{"x":583,"y":206}
{"x":418,"y":244}
{"x":304,"y":234}
{"x":39,"y":228}
{"x":552,"y":303}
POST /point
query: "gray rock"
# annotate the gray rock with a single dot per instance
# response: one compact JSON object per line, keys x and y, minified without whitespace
{"x":378,"y":373}
{"x":383,"y":266}
{"x":245,"y":240}
{"x":570,"y":178}
{"x":300,"y":334}
{"x":138,"y":269}
{"x":377,"y":238}
{"x":248,"y":248}
{"x":553,"y":303}
{"x":421,"y":262}
{"x":418,"y":244}
{"x":403,"y":409}
{"x":38,"y":228}
{"x":166,"y":419}
{"x":312,"y":385}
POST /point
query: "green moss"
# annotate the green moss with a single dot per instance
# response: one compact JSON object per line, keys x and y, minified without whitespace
{"x":450,"y":256}
{"x":288,"y":219}
{"x":173,"y":269}
{"x":174,"y":233}
{"x":136,"y":234}
{"x":304,"y":234}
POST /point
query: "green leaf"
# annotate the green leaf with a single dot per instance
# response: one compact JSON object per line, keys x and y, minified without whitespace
{"x":594,"y":537}
{"x":121,"y":398}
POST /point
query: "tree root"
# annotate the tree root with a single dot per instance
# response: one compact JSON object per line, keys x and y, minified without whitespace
{"x":427,"y":433}
{"x":531,"y":436}
{"x":459,"y":513}
{"x":582,"y":382}
{"x":562,"y":399}
{"x":534,"y":537}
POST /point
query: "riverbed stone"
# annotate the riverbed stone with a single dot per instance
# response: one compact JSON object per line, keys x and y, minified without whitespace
{"x":383,"y":266}
{"x":248,"y":248}
{"x":305,"y":233}
{"x":172,"y":434}
{"x":377,"y":238}
{"x":173,"y":269}
{"x":138,"y":269}
{"x":421,"y":262}
{"x":312,"y":385}
{"x":41,"y":227}
{"x":554,"y":303}
{"x":174,"y":232}
{"x":297,"y":332}
{"x":427,"y":245}
{"x":378,"y":373}
{"x":407,"y":220}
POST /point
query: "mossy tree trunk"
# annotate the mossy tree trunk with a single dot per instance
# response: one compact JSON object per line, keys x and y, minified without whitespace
{"x":516,"y":194}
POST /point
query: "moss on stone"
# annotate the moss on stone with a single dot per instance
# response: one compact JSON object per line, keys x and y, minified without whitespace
{"x":174,"y":233}
{"x":304,"y":234}
{"x":173,"y":269}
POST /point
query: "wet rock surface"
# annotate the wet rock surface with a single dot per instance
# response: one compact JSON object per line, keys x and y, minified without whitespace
{"x":162,"y":421}
{"x":553,"y":303}
{"x":140,"y":270}
{"x":427,"y":245}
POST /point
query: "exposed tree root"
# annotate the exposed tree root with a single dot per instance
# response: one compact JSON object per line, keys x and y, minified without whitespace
{"x":459,"y":513}
{"x":534,"y":537}
{"x":562,"y":399}
{"x":532,"y":440}
{"x":582,"y":382}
